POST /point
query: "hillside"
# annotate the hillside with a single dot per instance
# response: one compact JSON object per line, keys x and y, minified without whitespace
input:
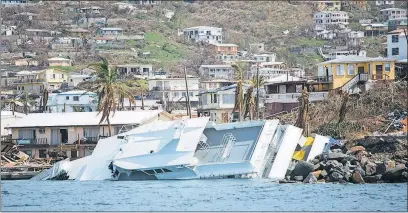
{"x":242,"y":22}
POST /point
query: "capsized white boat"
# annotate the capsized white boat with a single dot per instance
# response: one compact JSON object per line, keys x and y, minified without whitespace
{"x":188,"y":149}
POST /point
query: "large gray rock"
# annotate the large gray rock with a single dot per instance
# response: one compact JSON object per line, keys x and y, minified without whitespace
{"x":332,"y":164}
{"x":302,"y":168}
{"x":310,"y":179}
{"x":360,"y":170}
{"x":357,"y":178}
{"x":372,"y":179}
{"x":370,"y":168}
{"x":347,"y":176}
{"x":338,"y":156}
{"x":381,"y":168}
{"x":351,"y":159}
{"x":394,"y":174}
{"x":335,"y":176}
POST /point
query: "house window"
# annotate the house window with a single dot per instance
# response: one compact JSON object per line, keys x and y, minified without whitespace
{"x":76,"y":98}
{"x":387,"y":67}
{"x":53,"y":75}
{"x":66,"y":97}
{"x":191,"y":94}
{"x":62,"y":75}
{"x":394,"y":38}
{"x":340,"y":70}
{"x":395,"y":51}
{"x":176,"y":94}
{"x":72,"y":80}
{"x":183,"y":94}
{"x":350,"y":69}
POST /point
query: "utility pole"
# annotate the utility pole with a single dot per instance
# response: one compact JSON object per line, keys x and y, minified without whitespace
{"x":257,"y":93}
{"x":187,"y":95}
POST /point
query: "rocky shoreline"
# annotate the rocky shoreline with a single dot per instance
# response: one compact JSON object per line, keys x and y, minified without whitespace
{"x":374,"y":159}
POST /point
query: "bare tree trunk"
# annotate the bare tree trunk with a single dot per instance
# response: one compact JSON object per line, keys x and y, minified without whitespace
{"x":142,"y":102}
{"x":303,"y":109}
{"x":109,"y":126}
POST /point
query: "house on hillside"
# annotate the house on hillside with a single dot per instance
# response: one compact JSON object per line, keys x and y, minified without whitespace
{"x":205,"y":34}
{"x":351,"y":5}
{"x":225,"y":52}
{"x":215,"y":83}
{"x":283,"y":93}
{"x":257,"y":48}
{"x":173,"y":89}
{"x":59,"y":62}
{"x":26,"y":16}
{"x":387,"y":3}
{"x":354,"y":38}
{"x":77,"y":32}
{"x":75,"y":79}
{"x":136,"y":70}
{"x":392,"y":13}
{"x":146,"y":2}
{"x":397,"y":23}
{"x":326,"y":20}
{"x":26,"y":62}
{"x":327,"y":5}
{"x":340,"y":54}
{"x":92,"y":10}
{"x":40,"y":135}
{"x":397,"y":44}
{"x":36,"y":81}
{"x":345,"y":72}
{"x":375,"y":29}
{"x":109,"y":31}
{"x":219,"y":103}
{"x":216,"y":71}
{"x":72,"y":101}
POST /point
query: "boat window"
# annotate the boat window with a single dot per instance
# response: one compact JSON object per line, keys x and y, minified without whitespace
{"x":149,"y":172}
{"x":166,"y":170}
{"x":158,"y":171}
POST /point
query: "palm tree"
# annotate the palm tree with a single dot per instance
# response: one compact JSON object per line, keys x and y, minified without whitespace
{"x":109,"y":90}
{"x":239,"y":93}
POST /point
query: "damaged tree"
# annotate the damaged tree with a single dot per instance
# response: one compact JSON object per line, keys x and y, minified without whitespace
{"x":303,"y":111}
{"x":343,"y":110}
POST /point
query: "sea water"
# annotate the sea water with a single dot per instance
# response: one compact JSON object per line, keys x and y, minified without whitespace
{"x":199,"y":195}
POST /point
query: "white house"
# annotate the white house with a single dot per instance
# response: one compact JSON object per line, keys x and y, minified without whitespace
{"x":146,"y":2}
{"x":75,"y":79}
{"x":173,"y":89}
{"x":75,"y":133}
{"x":340,"y":54}
{"x":393,"y":13}
{"x":204,"y":34}
{"x":62,"y":62}
{"x":354,"y":38}
{"x":220,"y":71}
{"x":267,"y":57}
{"x":218,"y":104}
{"x":72,"y":101}
{"x":324,"y":19}
{"x":397,"y":45}
{"x":380,"y":3}
{"x":136,"y":70}
{"x":106,"y":31}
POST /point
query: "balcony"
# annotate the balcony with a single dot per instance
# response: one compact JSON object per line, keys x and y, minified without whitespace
{"x":29,"y":81}
{"x":324,"y":79}
{"x":160,"y":88}
{"x":293,"y":97}
{"x":31,"y":142}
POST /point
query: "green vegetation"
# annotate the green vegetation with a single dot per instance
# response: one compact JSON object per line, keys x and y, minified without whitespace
{"x":162,"y":49}
{"x":65,"y":69}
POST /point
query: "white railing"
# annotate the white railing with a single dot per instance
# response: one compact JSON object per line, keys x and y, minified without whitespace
{"x":293,"y":97}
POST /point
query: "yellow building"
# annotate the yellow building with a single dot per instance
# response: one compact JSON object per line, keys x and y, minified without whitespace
{"x":327,"y":5}
{"x":36,"y":81}
{"x":362,"y":4}
{"x":339,"y":72}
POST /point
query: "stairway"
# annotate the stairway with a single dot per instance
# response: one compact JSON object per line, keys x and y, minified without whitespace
{"x":227,"y":143}
{"x":351,"y":84}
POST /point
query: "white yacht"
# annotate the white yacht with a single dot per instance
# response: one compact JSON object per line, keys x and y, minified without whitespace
{"x":189,"y":149}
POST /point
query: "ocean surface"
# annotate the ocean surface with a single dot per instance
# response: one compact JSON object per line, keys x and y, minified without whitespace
{"x":199,"y":195}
